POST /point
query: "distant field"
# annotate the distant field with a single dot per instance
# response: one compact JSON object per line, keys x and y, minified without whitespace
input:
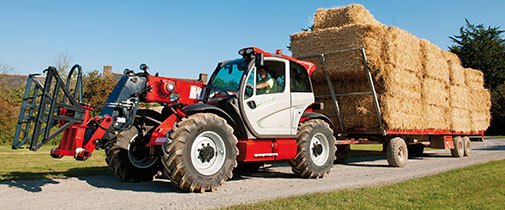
{"x":26,"y":164}
{"x":475,"y":187}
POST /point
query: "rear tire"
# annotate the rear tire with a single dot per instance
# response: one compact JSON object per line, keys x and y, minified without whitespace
{"x":316,"y":146}
{"x":459,"y":147}
{"x":397,"y":152}
{"x":202,"y":153}
{"x":468,"y":146}
{"x":130,"y":160}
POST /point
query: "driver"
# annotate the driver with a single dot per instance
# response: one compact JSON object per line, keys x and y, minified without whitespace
{"x":266,"y":84}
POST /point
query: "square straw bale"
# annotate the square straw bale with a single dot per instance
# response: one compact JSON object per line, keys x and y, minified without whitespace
{"x":451,"y":57}
{"x":400,"y":113}
{"x":434,"y":63}
{"x":460,"y":120}
{"x":480,"y":100}
{"x":456,"y":71}
{"x":371,"y":37}
{"x":404,"y":50}
{"x":459,"y":97}
{"x":474,"y":78}
{"x":480,"y":120}
{"x":437,"y":117}
{"x":341,"y":16}
{"x":435,"y":92}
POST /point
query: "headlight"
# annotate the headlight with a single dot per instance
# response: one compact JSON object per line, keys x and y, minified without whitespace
{"x":170,"y":86}
{"x":167,"y":87}
{"x":174,"y":97}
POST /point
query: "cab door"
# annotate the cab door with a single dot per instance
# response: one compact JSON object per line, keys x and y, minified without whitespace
{"x":268,"y":114}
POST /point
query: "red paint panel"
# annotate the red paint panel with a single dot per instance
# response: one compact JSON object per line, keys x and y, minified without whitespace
{"x":189,"y":91}
{"x":254,"y":150}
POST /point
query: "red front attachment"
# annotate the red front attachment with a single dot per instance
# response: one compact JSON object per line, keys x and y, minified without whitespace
{"x":74,"y":142}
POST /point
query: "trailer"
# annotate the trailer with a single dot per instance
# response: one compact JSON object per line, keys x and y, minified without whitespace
{"x":398,"y":145}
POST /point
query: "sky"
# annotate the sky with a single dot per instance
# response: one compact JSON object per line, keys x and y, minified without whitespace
{"x":184,"y":38}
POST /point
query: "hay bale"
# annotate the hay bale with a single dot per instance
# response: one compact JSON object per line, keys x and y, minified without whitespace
{"x":434,"y":63}
{"x":480,"y":100}
{"x":474,"y":79}
{"x":437,"y":117}
{"x":459,"y":97}
{"x":338,"y":17}
{"x":456,"y":71}
{"x":435,"y":92}
{"x":451,"y":57}
{"x":344,"y":64}
{"x":460,"y":120}
{"x":480,"y":120}
{"x":400,"y":113}
{"x":403,"y":50}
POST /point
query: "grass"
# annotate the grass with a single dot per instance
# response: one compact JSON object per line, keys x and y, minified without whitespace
{"x":25,"y":164}
{"x":474,"y":187}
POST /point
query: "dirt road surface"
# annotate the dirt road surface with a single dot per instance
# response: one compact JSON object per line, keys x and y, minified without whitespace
{"x":107,"y":192}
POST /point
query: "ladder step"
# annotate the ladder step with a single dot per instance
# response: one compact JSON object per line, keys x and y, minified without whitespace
{"x":354,"y":94}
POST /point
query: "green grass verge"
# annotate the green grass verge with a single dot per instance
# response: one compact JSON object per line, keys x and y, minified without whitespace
{"x":474,"y":187}
{"x":25,"y":164}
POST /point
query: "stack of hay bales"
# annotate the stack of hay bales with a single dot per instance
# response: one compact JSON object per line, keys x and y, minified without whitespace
{"x":419,"y":85}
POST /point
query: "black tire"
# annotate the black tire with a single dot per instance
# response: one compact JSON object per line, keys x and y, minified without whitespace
{"x":397,"y":152}
{"x":415,"y":150}
{"x":342,"y":153}
{"x":468,"y":146}
{"x":180,"y":166}
{"x":459,"y":147}
{"x":129,"y":160}
{"x":315,"y":162}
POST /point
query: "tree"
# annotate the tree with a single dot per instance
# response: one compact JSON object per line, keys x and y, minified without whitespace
{"x":96,"y":88}
{"x":482,"y":48}
{"x":10,"y":98}
{"x":498,"y":110}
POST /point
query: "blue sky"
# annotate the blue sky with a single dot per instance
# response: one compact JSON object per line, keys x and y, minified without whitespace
{"x":183,"y":38}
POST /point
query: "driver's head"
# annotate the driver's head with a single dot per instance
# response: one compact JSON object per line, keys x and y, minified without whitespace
{"x":263,"y":72}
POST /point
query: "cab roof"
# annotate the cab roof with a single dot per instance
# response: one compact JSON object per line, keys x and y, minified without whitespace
{"x":309,"y":66}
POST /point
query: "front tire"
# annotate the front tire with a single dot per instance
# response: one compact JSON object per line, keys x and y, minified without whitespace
{"x":316,"y":149}
{"x":129,"y":159}
{"x":201,"y":154}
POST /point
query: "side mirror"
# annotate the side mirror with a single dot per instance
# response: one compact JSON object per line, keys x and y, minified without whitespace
{"x":144,"y":67}
{"x":259,"y":60}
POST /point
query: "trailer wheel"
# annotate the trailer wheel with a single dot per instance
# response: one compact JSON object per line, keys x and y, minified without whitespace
{"x":397,"y":152}
{"x":316,"y":146}
{"x":201,"y":154}
{"x":415,"y":150}
{"x":130,"y":160}
{"x":342,"y":153}
{"x":467,"y":145}
{"x":459,"y":147}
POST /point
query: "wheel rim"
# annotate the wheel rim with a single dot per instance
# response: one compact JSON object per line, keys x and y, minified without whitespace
{"x":401,"y":153}
{"x":139,"y":155}
{"x":208,"y":153}
{"x":319,"y":149}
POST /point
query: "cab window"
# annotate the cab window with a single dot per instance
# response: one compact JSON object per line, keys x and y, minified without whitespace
{"x":299,"y":78}
{"x":270,"y":78}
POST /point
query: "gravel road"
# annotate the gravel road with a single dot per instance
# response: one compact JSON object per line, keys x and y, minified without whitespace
{"x":106,"y":192}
